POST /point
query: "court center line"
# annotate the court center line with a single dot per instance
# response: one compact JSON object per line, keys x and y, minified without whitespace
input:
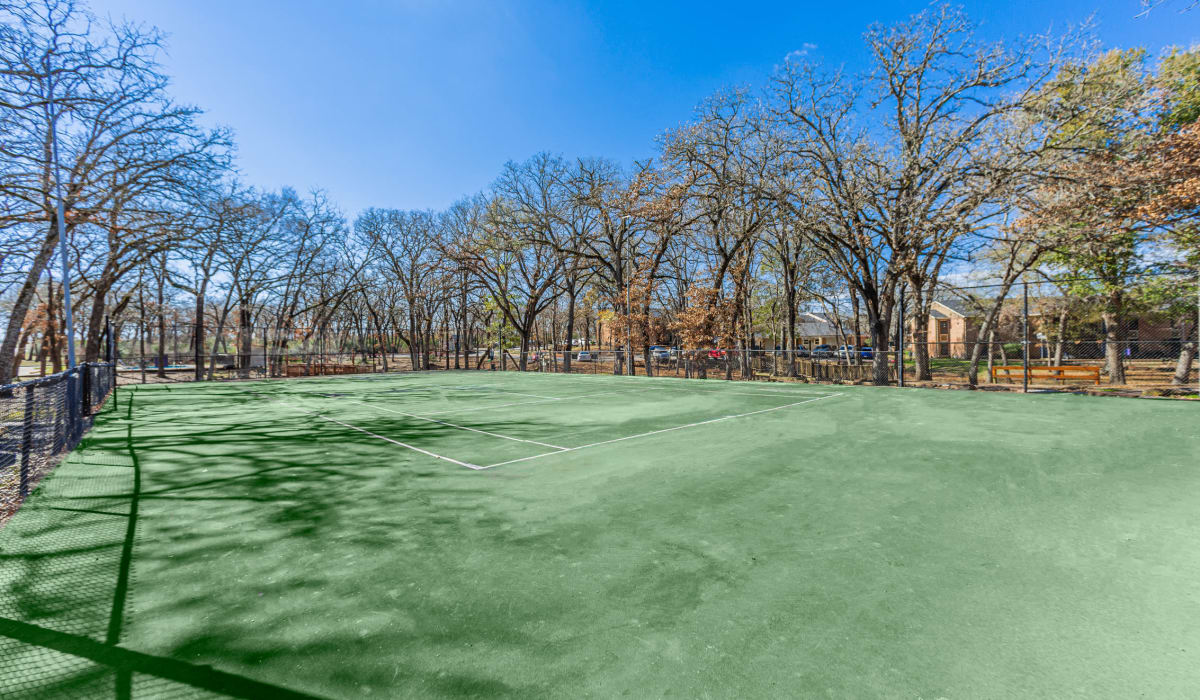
{"x":460,"y":427}
{"x":656,"y":432}
{"x":468,"y":465}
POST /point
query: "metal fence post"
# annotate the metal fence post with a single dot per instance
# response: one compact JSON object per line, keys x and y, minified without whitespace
{"x":900,"y":342}
{"x":85,"y":377}
{"x":26,"y":442}
{"x":1025,"y":340}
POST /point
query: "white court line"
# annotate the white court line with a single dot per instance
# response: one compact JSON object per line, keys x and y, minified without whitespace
{"x":460,"y":427}
{"x":496,"y":388}
{"x":526,"y":403}
{"x":656,"y":432}
{"x":690,"y":387}
{"x":468,"y":465}
{"x":752,"y":392}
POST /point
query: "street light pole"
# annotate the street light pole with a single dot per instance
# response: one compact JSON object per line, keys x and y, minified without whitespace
{"x":61,"y":218}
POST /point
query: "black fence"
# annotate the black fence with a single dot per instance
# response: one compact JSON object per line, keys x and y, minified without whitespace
{"x":272,"y":364}
{"x":43,"y":419}
{"x":1136,"y":336}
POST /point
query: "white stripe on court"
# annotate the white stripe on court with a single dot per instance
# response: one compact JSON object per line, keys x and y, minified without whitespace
{"x":656,"y":432}
{"x":496,"y":388}
{"x":468,"y":465}
{"x":460,"y":427}
{"x":751,"y":392}
{"x":526,"y":403}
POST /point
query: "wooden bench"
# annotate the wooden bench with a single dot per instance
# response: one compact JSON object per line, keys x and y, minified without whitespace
{"x":1059,"y":373}
{"x":319,"y":369}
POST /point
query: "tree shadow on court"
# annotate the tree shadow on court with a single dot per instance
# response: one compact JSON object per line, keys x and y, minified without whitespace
{"x":248,"y":557}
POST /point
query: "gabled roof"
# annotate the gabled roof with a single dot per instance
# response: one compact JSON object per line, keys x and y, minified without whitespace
{"x":955,"y":307}
{"x":810,"y":324}
{"x":815,"y":329}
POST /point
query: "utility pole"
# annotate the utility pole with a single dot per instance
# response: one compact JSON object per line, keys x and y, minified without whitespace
{"x":61,"y":218}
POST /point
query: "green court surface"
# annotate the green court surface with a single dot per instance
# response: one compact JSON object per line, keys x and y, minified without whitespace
{"x":485,"y":534}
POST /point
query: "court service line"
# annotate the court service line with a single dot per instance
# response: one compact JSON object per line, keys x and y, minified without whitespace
{"x":752,"y":392}
{"x":496,"y":388}
{"x":414,"y":448}
{"x":460,"y":427}
{"x":656,"y":432}
{"x":527,"y":403}
{"x":666,"y":379}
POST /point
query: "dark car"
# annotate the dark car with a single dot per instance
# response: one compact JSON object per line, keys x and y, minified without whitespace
{"x":822,"y":351}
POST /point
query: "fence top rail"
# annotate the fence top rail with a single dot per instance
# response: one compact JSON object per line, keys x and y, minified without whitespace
{"x":50,"y":380}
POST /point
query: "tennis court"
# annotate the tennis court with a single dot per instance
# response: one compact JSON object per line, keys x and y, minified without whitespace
{"x":505,"y":534}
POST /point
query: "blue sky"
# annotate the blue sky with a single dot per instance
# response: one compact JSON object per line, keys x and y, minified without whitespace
{"x":414,"y":103}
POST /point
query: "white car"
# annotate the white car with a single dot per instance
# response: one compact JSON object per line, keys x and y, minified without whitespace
{"x":585,"y":356}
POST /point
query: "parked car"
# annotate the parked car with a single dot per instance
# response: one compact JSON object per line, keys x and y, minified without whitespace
{"x":847,"y":352}
{"x":660,"y":353}
{"x":585,"y":356}
{"x":716,"y":354}
{"x":822,"y":351}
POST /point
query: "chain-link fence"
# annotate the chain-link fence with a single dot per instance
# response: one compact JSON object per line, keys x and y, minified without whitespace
{"x":1140,"y":337}
{"x":43,"y":419}
{"x":1137,"y":334}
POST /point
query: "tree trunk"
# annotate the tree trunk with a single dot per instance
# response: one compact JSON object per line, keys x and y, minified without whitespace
{"x":20,"y":306}
{"x":95,"y":327}
{"x":1061,"y":344}
{"x":570,"y":334}
{"x":43,"y":350}
{"x":879,"y":322}
{"x":790,"y":332}
{"x":22,"y":343}
{"x":52,"y":327}
{"x":1113,"y":345}
{"x":212,"y":356}
{"x":1187,"y":351}
{"x":922,"y":366}
{"x":245,"y":339}
{"x":991,"y":341}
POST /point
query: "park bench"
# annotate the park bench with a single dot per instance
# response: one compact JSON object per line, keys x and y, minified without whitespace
{"x":1057,"y":373}
{"x":318,"y":368}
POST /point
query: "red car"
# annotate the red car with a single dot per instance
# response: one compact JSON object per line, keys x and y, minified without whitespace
{"x":716,"y":354}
